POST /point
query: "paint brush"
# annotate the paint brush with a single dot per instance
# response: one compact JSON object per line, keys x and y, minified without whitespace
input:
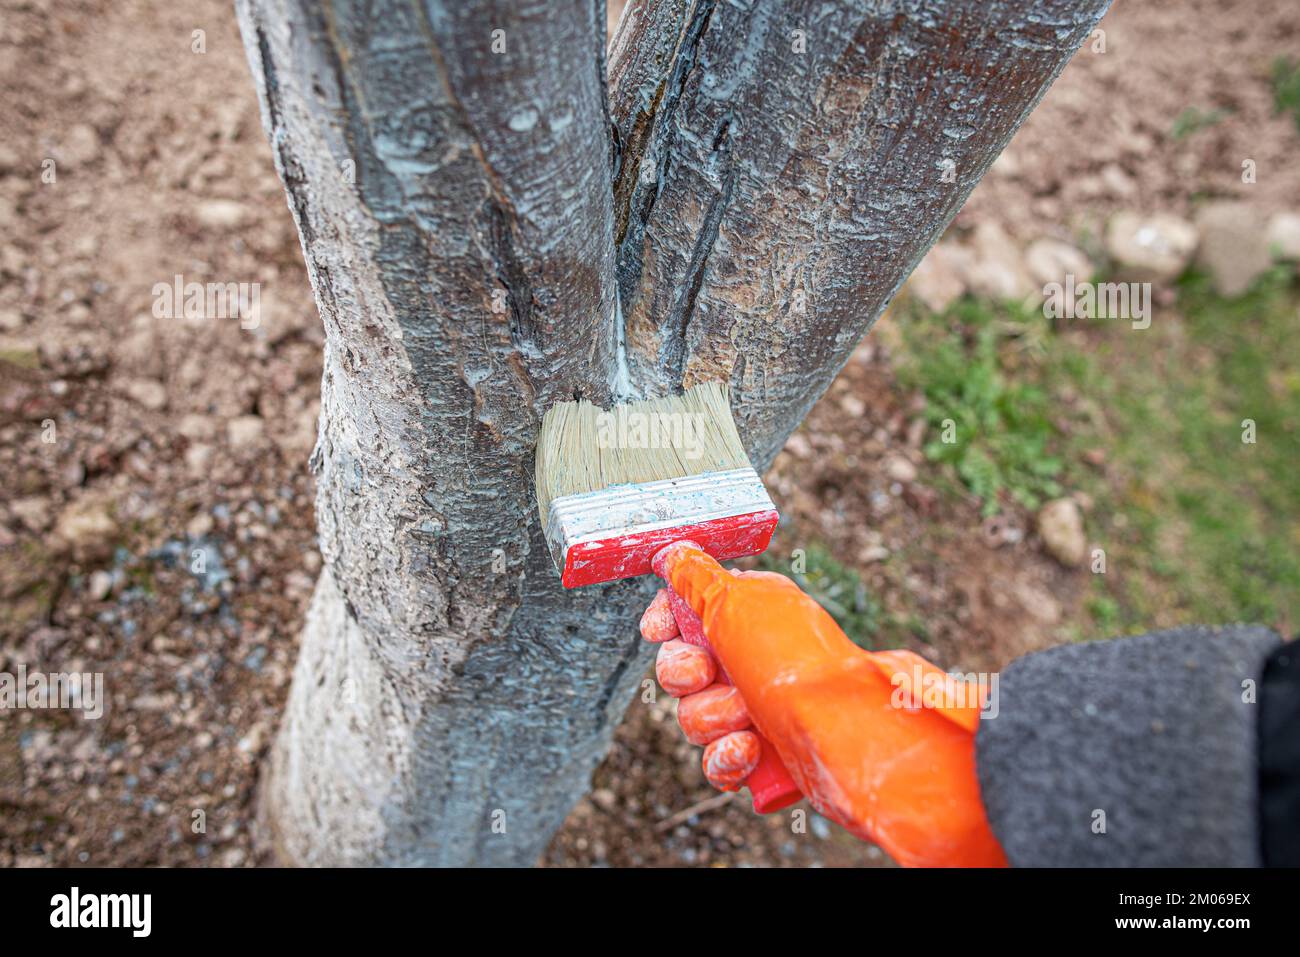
{"x":614,"y":486}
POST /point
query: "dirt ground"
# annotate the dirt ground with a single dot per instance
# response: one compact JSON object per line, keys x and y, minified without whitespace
{"x":156,"y":521}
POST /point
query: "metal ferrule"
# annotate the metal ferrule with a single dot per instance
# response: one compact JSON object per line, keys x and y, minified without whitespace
{"x":627,"y":510}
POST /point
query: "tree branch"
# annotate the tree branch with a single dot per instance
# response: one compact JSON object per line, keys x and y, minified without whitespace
{"x":805,"y":155}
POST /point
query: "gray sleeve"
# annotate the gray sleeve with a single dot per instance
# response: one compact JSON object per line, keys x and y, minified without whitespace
{"x":1136,"y":752}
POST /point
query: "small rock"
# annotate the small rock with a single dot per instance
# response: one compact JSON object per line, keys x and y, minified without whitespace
{"x":251,"y":743}
{"x":1060,"y":525}
{"x":798,"y":446}
{"x":86,"y":247}
{"x":80,"y":146}
{"x":1051,"y":260}
{"x":74,"y":85}
{"x":997,"y":271}
{"x":153,"y":702}
{"x":899,"y":469}
{"x":33,"y":512}
{"x":86,"y":526}
{"x":1153,"y":248}
{"x":196,"y":428}
{"x":853,"y":406}
{"x":1234,"y":246}
{"x":605,"y":799}
{"x":244,"y":432}
{"x":1117,"y":182}
{"x":199,"y":525}
{"x":220,"y":214}
{"x":296,"y":439}
{"x":148,"y":393}
{"x":1283,"y":236}
{"x":1095,"y":457}
{"x":136,"y":352}
{"x":198,"y":460}
{"x":937,"y":280}
{"x":99,"y":585}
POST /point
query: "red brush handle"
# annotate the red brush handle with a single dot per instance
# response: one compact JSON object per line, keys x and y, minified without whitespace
{"x":770,"y":784}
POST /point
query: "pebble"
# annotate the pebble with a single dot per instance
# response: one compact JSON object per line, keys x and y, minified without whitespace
{"x":196,"y":428}
{"x":148,"y":393}
{"x":899,"y":469}
{"x":939,"y":279}
{"x":1154,"y":248}
{"x":33,"y":511}
{"x":1283,"y":236}
{"x":1060,"y":525}
{"x":80,"y":146}
{"x":1051,"y":260}
{"x":798,"y":446}
{"x":198,"y":460}
{"x":86,"y":525}
{"x":220,"y":214}
{"x":199,"y":526}
{"x":244,"y":432}
{"x":997,"y":271}
{"x":1117,"y":182}
{"x":1234,"y":247}
{"x":99,"y":585}
{"x":853,"y":406}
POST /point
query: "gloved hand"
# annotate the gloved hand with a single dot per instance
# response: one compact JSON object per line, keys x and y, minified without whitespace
{"x":901,"y":776}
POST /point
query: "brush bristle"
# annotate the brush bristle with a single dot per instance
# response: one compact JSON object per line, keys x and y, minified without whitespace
{"x":583,"y":448}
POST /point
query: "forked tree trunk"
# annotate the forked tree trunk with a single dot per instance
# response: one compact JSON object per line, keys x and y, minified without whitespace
{"x":487,"y":233}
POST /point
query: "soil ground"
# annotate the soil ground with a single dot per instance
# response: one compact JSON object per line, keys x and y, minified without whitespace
{"x":162,"y":529}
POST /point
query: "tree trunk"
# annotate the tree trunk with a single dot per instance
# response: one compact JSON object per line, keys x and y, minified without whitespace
{"x":488,"y":232}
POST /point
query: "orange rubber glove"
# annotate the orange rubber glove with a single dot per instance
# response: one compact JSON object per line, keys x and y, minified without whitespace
{"x":900,"y":776}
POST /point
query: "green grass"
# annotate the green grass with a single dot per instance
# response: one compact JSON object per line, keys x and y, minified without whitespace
{"x":1209,"y":523}
{"x":1197,"y":525}
{"x":990,"y":416}
{"x":22,"y":358}
{"x":1193,"y":120}
{"x":1286,"y":87}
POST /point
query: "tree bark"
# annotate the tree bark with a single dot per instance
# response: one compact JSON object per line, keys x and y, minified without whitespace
{"x":488,"y":232}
